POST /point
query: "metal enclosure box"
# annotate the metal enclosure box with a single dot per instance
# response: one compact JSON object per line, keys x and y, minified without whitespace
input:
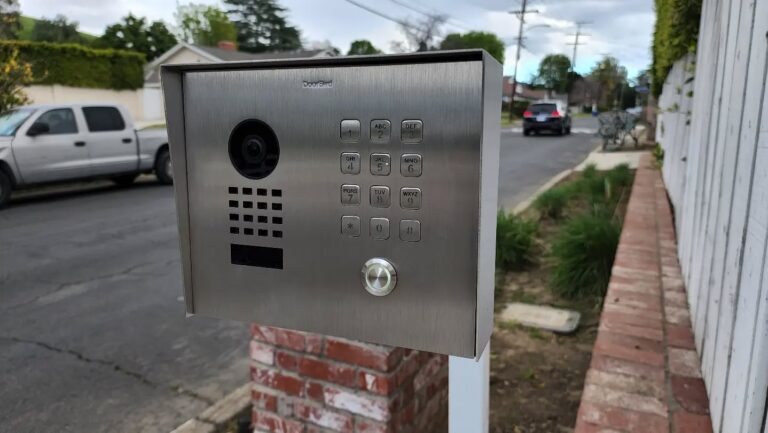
{"x":288,"y":249}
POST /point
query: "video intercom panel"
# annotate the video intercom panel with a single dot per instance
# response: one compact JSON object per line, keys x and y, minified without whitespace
{"x":349,"y":196}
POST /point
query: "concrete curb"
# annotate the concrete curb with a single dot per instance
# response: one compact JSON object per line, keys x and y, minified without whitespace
{"x":525,"y":204}
{"x":214,"y":418}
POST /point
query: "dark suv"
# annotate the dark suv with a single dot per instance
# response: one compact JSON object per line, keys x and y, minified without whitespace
{"x":547,"y":116}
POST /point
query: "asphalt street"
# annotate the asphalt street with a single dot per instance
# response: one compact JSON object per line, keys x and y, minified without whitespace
{"x":93,"y":336}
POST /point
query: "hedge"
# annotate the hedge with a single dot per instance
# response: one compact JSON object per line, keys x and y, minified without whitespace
{"x":78,"y":66}
{"x":675,"y":35}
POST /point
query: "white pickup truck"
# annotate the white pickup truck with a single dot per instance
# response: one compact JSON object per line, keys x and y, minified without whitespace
{"x":52,"y":143}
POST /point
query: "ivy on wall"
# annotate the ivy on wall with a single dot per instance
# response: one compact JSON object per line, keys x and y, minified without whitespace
{"x":675,"y":35}
{"x":78,"y":66}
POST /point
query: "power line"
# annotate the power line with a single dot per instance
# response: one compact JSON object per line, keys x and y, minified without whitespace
{"x":576,"y":42}
{"x":382,"y":15}
{"x":434,"y":12}
{"x":520,"y":16}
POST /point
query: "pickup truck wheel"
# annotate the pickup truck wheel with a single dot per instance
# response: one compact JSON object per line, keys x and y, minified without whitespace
{"x":124,"y":181}
{"x":163,"y":168}
{"x":5,"y":189}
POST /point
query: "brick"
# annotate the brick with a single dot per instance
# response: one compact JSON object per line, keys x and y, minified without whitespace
{"x":616,"y":308}
{"x":633,"y":299}
{"x":630,"y":348}
{"x":690,"y":393}
{"x":690,"y":423}
{"x":275,"y":424}
{"x":328,"y":371}
{"x":624,"y":400}
{"x":586,"y":427}
{"x":626,"y":383}
{"x":636,"y":319}
{"x":314,"y":343}
{"x":678,"y":316}
{"x":263,"y":399}
{"x":286,"y":361}
{"x":683,"y":362}
{"x":622,"y":419}
{"x":314,"y":390}
{"x":366,"y":405}
{"x":675,"y":299}
{"x":368,"y":426}
{"x":622,"y":366}
{"x":427,"y":372}
{"x":631,"y":330}
{"x":279,"y":337}
{"x":276,"y":380}
{"x":262,"y":353}
{"x":681,"y":337}
{"x":324,"y":417}
{"x":407,"y":369}
{"x":376,"y":383}
{"x":375,"y":357}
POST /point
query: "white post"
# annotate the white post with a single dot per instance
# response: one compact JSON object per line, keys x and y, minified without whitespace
{"x":468,"y":393}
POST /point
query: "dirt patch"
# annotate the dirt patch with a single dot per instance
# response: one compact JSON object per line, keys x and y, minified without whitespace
{"x":537,"y":376}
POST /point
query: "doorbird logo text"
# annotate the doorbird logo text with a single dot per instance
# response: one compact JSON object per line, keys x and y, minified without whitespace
{"x":320,"y":84}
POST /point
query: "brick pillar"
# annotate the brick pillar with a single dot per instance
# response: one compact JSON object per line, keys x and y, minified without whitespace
{"x":310,"y":383}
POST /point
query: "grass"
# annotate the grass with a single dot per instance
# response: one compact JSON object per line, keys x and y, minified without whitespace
{"x":505,"y":122}
{"x":552,"y":202}
{"x":28,"y":23}
{"x":514,"y":241}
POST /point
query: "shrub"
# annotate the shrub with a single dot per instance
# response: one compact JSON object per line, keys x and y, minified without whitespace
{"x":583,"y":253}
{"x":514,"y":241}
{"x":552,"y":202}
{"x":620,"y":176}
{"x":78,"y":66}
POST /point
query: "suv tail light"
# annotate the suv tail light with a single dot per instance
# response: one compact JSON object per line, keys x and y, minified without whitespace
{"x":527,"y":114}
{"x":555,"y":113}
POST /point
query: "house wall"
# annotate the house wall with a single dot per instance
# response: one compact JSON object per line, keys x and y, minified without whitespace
{"x":133,"y":100}
{"x":716,"y":171}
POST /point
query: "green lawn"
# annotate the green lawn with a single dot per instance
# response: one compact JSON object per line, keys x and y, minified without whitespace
{"x":28,"y":23}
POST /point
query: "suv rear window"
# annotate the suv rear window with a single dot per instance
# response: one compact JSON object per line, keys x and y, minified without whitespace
{"x":100,"y":119}
{"x":542,"y":108}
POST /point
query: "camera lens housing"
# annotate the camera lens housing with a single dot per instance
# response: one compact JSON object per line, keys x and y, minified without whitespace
{"x":254,"y":149}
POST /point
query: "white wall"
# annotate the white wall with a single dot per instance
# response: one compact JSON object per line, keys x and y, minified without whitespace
{"x":716,"y":171}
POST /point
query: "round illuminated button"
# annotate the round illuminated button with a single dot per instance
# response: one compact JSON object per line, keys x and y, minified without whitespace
{"x":379,"y":277}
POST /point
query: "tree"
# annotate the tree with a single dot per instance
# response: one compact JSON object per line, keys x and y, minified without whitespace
{"x":56,"y":30}
{"x":362,"y":47}
{"x":261,"y":26}
{"x":610,"y":76}
{"x":9,"y":19}
{"x":204,"y":25}
{"x":14,"y":75}
{"x":134,"y":34}
{"x":420,"y":35}
{"x":554,"y":73}
{"x":488,"y":41}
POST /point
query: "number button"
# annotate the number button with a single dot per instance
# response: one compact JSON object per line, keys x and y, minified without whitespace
{"x":410,"y":230}
{"x":350,"y":226}
{"x":410,"y":165}
{"x":350,"y":195}
{"x":380,"y":164}
{"x":380,"y":196}
{"x":410,"y":198}
{"x":350,"y":131}
{"x":380,"y":228}
{"x":350,"y":163}
{"x":411,"y":131}
{"x":380,"y":131}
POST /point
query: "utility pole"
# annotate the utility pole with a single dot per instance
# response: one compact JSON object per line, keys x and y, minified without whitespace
{"x":576,"y":42}
{"x":520,"y":16}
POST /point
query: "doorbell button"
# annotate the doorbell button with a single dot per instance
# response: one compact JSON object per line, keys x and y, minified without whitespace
{"x":350,"y":163}
{"x":410,"y":230}
{"x":350,"y":195}
{"x":380,"y":164}
{"x":350,"y":131}
{"x":411,"y":131}
{"x":379,"y":277}
{"x":380,"y":196}
{"x":410,"y":198}
{"x":379,"y":228}
{"x":410,"y":165}
{"x":380,"y":131}
{"x":350,"y":226}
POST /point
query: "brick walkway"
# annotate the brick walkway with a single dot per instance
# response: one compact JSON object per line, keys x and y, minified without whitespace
{"x":645,"y":374}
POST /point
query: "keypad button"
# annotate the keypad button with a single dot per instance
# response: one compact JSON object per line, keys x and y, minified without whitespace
{"x":350,"y":226}
{"x":380,"y":131}
{"x":379,"y":228}
{"x":411,"y":131}
{"x":410,"y":165}
{"x":350,"y":194}
{"x":410,"y":230}
{"x":350,"y":131}
{"x":380,"y":164}
{"x":410,"y":198}
{"x":380,"y":196}
{"x":350,"y":163}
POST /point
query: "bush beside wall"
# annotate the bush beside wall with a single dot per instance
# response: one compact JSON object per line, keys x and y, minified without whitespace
{"x":78,"y":66}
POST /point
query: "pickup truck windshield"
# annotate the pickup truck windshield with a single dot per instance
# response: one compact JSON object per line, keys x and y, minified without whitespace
{"x":11,"y":120}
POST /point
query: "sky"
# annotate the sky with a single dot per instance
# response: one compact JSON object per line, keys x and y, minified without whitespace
{"x":621,"y":28}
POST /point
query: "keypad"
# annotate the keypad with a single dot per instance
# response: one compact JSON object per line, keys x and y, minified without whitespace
{"x":379,"y":163}
{"x":380,"y":196}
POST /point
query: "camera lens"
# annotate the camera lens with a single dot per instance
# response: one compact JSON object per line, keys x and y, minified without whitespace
{"x":254,"y":149}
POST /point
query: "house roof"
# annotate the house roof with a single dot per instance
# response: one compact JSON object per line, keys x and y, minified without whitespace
{"x":216,"y":54}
